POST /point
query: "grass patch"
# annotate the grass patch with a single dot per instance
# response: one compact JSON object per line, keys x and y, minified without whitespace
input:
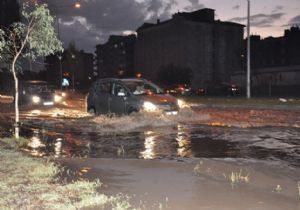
{"x":298,"y":186}
{"x":236,"y":178}
{"x":30,"y":183}
{"x":11,"y":143}
{"x":278,"y":189}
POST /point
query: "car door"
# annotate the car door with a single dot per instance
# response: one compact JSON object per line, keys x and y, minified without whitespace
{"x":117,"y":102}
{"x":102,"y":96}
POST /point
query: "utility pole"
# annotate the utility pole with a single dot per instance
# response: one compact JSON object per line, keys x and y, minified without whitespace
{"x":59,"y":56}
{"x":248,"y":52}
{"x":77,"y":5}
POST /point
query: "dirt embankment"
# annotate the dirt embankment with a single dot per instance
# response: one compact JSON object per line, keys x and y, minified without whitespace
{"x":249,"y":117}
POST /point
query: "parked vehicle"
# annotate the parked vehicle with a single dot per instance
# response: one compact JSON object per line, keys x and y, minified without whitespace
{"x":179,"y":89}
{"x":222,"y":89}
{"x":38,"y":93}
{"x":124,"y":96}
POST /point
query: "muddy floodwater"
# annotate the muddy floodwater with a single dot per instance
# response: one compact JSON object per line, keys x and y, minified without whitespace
{"x":172,"y":162}
{"x":181,"y":140}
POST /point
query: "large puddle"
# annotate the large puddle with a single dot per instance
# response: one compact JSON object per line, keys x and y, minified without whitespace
{"x":173,"y":142}
{"x":143,"y":136}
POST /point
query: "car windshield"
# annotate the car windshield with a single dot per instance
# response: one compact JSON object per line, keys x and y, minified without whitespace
{"x":39,"y":88}
{"x":142,"y":88}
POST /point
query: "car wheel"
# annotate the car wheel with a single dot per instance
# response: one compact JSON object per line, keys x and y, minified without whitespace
{"x":92,"y":111}
{"x":130,"y":111}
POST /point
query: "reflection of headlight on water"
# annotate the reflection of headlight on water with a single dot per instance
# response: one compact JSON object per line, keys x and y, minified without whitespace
{"x":63,"y":94}
{"x":181,"y":104}
{"x":36,"y":99}
{"x":35,"y":112}
{"x":172,"y":113}
{"x":149,"y":107}
{"x":57,"y":98}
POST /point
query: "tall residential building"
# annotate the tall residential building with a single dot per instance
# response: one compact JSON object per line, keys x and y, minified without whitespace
{"x":210,"y":48}
{"x":275,"y":64}
{"x":115,"y":58}
{"x":276,"y":51}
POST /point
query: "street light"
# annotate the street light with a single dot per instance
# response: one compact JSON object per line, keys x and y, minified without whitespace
{"x":73,"y":73}
{"x":77,"y":6}
{"x":248,"y":51}
{"x":61,"y":72}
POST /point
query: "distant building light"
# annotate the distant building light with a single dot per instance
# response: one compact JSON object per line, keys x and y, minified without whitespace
{"x":121,"y":72}
{"x":138,"y":75}
{"x":77,"y":5}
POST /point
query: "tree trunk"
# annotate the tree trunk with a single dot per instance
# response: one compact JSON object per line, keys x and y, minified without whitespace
{"x":17,"y":116}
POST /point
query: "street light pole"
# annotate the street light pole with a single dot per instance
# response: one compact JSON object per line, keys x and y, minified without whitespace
{"x":73,"y":73}
{"x":61,"y":71}
{"x":248,"y":52}
{"x":77,"y":6}
{"x":60,"y":56}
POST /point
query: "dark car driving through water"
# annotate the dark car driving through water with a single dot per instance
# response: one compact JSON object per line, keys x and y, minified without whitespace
{"x":124,"y":96}
{"x":33,"y":92}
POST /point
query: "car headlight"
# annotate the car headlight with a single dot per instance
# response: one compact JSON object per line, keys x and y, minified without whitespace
{"x":36,"y":99}
{"x":181,"y":104}
{"x":57,"y":98}
{"x":63,"y":94}
{"x":149,"y":107}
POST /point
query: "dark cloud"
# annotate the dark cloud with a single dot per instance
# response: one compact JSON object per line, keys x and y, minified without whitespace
{"x":194,"y":5}
{"x":97,"y":19}
{"x":277,"y":9}
{"x":295,"y":21}
{"x":260,"y":20}
{"x":158,"y":9}
{"x":236,"y":7}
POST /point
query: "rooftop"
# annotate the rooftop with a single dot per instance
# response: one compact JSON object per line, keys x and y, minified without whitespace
{"x":206,"y":15}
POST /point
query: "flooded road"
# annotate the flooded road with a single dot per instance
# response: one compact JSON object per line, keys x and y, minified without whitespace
{"x":167,"y":142}
{"x":70,"y":132}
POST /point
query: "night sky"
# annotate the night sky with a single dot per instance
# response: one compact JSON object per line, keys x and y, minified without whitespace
{"x":97,"y":19}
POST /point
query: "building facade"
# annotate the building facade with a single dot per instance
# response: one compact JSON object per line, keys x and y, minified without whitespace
{"x":115,"y":58}
{"x":275,"y":65}
{"x":276,"y":51}
{"x":210,"y":48}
